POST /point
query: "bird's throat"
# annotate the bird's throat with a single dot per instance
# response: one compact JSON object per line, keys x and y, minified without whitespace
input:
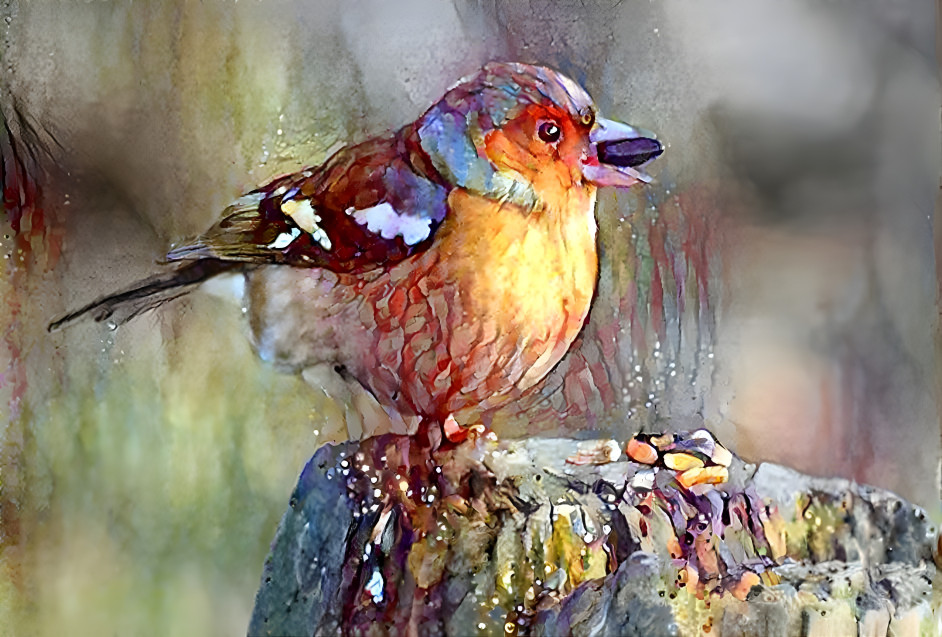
{"x":532,"y":273}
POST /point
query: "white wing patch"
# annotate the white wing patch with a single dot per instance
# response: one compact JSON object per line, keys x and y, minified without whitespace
{"x":284,"y":239}
{"x":387,"y":223}
{"x":303,"y":214}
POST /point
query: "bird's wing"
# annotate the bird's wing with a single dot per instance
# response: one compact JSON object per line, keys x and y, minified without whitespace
{"x":369,"y":206}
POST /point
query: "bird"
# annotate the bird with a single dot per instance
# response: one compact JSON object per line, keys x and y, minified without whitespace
{"x":442,"y":269}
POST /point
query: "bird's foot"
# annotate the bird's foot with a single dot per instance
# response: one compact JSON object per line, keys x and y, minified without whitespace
{"x":447,"y":434}
{"x":456,"y":434}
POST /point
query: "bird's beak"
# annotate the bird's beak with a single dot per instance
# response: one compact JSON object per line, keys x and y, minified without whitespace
{"x":617,"y":154}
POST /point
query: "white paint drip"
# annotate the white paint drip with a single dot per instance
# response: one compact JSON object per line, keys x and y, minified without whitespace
{"x":375,"y":587}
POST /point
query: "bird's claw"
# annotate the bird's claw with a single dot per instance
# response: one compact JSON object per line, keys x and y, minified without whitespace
{"x":456,"y":434}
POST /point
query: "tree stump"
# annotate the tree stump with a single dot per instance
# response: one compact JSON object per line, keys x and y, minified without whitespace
{"x":559,"y":537}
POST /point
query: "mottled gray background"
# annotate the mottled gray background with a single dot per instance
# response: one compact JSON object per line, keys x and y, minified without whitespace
{"x":143,"y":470}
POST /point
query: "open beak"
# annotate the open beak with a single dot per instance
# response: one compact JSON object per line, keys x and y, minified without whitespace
{"x":618,"y":153}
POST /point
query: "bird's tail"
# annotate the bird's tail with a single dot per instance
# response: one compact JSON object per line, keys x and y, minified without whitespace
{"x":145,"y":295}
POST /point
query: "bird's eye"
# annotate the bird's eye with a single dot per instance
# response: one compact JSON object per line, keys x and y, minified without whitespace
{"x":588,"y":117}
{"x":549,"y":132}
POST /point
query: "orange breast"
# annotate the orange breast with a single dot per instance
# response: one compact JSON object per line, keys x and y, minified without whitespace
{"x":483,"y":315}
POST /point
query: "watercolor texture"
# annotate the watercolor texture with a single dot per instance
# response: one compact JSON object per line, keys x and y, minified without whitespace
{"x":776,"y":281}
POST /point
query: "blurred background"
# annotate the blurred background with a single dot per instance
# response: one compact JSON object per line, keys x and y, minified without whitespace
{"x":777,"y":283}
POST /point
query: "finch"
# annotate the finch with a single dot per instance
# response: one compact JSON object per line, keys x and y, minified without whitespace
{"x":444,"y":268}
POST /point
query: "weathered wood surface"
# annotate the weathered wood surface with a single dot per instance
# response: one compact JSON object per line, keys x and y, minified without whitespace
{"x":508,"y":537}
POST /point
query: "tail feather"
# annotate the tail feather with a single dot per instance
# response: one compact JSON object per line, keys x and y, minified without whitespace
{"x":148,"y":294}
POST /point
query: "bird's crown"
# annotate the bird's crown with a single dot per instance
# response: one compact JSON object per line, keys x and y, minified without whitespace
{"x":453,"y":131}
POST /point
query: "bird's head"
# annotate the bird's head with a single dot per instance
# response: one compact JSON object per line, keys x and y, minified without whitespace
{"x":528,"y":135}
